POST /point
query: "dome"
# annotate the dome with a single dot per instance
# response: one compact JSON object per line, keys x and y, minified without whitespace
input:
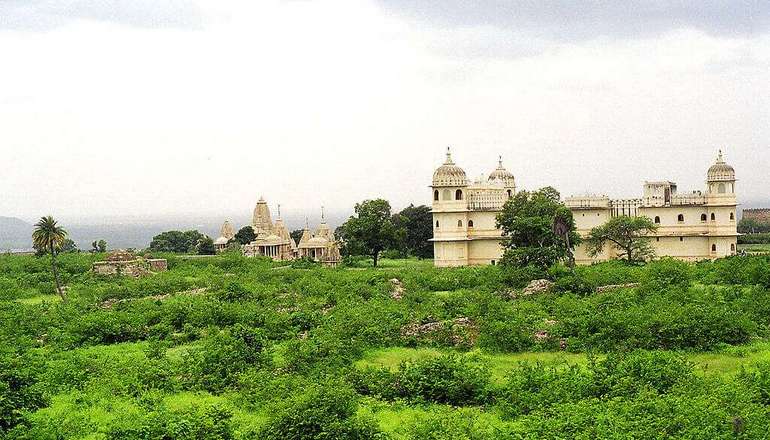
{"x":721,"y":171}
{"x":500,"y":174}
{"x":449,"y":174}
{"x":222,"y":240}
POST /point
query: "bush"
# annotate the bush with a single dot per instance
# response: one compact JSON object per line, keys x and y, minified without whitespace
{"x":325,"y":412}
{"x":448,"y":379}
{"x":664,"y":274}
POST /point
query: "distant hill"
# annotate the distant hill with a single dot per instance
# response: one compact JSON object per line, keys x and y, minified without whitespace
{"x":15,"y":233}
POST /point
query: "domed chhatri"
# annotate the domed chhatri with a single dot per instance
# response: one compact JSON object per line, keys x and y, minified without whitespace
{"x":503,"y":176}
{"x":449,"y":174}
{"x":721,"y":171}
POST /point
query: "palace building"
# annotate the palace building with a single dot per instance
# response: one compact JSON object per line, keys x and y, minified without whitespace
{"x":273,"y":239}
{"x":692,"y":226}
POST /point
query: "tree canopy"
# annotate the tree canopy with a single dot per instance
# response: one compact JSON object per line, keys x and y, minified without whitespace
{"x":245,"y":235}
{"x":629,"y":235}
{"x":176,"y":241}
{"x":415,"y":226}
{"x":529,"y":236}
{"x":370,"y":230}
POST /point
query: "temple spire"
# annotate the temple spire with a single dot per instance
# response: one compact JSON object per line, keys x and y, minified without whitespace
{"x":322,"y":215}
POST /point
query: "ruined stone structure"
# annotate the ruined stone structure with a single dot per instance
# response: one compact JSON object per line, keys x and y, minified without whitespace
{"x":691,"y":226}
{"x":226,"y":234}
{"x":121,"y":262}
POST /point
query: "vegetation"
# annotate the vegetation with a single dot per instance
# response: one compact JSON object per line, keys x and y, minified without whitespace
{"x":370,"y":230}
{"x":49,"y":237}
{"x":531,"y":240}
{"x":245,"y":235}
{"x":628,"y":235}
{"x":229,"y":347}
{"x":415,"y":229}
{"x":98,"y":246}
{"x":177,"y":241}
{"x":751,"y":226}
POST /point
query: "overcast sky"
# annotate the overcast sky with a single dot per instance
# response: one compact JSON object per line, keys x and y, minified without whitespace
{"x":152,"y":107}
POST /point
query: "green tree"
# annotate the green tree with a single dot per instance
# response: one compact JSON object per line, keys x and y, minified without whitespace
{"x":629,"y":235}
{"x":416,"y":222}
{"x":50,"y":236}
{"x":69,"y":246}
{"x":176,"y":241}
{"x":98,"y":246}
{"x":245,"y":235}
{"x":205,"y":246}
{"x":751,"y":226}
{"x":370,"y":230}
{"x":529,"y":235}
{"x":296,"y":235}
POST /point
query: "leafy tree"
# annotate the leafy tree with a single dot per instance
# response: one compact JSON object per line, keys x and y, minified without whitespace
{"x":98,"y":246}
{"x":530,"y":239}
{"x":205,"y":246}
{"x":69,"y":246}
{"x":296,"y":235}
{"x":416,"y":222}
{"x":370,"y":230}
{"x":751,"y":226}
{"x":50,"y":236}
{"x":176,"y":241}
{"x":629,"y":235}
{"x":245,"y":235}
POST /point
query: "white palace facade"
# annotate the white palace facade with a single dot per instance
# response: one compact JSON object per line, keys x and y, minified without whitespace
{"x":692,"y":226}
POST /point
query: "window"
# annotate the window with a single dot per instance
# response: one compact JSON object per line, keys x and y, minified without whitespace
{"x":732,"y":216}
{"x":470,"y":223}
{"x":494,"y":262}
{"x":680,"y":218}
{"x":510,"y":194}
{"x":703,"y":217}
{"x":713,"y":217}
{"x":459,"y":223}
{"x":657,"y":219}
{"x":459,"y":194}
{"x":437,"y":223}
{"x":713,"y":248}
{"x":721,"y":188}
{"x":435,"y":195}
{"x":681,"y":238}
{"x":657,"y":238}
{"x":732,"y":247}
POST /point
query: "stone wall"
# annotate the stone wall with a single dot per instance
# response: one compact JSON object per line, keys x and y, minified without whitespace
{"x":761,"y":215}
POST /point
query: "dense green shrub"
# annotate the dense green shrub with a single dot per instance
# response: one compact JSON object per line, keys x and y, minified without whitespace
{"x":326,"y":412}
{"x":449,"y":379}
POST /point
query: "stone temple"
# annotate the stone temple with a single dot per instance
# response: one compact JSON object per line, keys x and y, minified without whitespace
{"x":273,"y":239}
{"x":692,"y":226}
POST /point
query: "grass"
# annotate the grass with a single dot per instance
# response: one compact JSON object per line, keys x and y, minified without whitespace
{"x":754,"y":248}
{"x":728,"y":361}
{"x":39,"y":299}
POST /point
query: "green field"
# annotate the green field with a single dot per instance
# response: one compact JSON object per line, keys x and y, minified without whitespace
{"x":229,"y":347}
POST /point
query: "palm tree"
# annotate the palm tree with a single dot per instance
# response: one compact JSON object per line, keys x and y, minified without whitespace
{"x":48,"y":237}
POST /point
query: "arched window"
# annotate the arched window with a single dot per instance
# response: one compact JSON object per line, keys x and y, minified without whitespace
{"x":657,"y":219}
{"x":732,"y":216}
{"x":459,"y":194}
{"x":732,"y":247}
{"x":713,"y":248}
{"x":470,"y":223}
{"x":435,"y":195}
{"x":459,"y":223}
{"x":681,"y":238}
{"x":680,"y":218}
{"x":510,"y":193}
{"x":446,"y":195}
{"x":703,"y":217}
{"x":713,"y":217}
{"x":721,"y":188}
{"x":437,"y":223}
